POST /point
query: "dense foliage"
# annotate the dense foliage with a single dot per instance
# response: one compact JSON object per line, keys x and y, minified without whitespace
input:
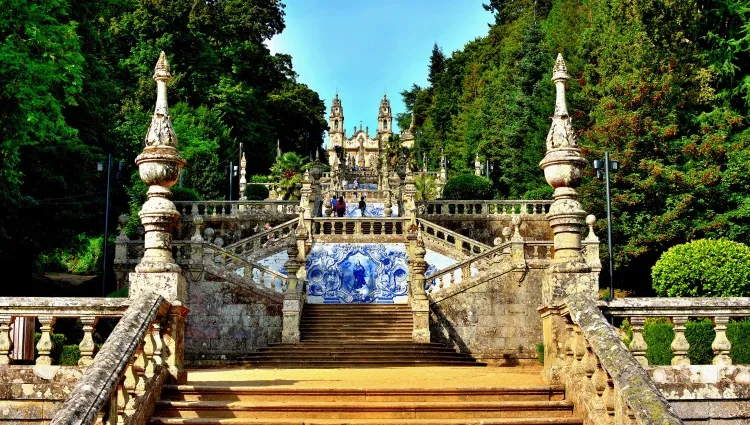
{"x":704,"y":268}
{"x":661,"y":85}
{"x":75,"y":84}
{"x":468,"y":186}
{"x":256,"y":192}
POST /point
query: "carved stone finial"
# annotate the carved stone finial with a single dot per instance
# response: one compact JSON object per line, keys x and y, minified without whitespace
{"x":591,"y":220}
{"x":198,"y":223}
{"x":159,"y":165}
{"x":516,"y":221}
{"x":123,"y":219}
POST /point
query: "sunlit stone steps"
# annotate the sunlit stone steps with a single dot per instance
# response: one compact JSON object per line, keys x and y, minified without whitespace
{"x":214,"y":405}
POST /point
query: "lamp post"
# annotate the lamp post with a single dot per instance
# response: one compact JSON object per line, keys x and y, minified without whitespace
{"x":106,"y":167}
{"x":608,"y":165}
{"x":232,"y":174}
{"x":488,"y":167}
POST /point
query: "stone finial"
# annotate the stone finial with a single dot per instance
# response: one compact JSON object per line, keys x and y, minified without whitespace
{"x":209,"y":233}
{"x":561,"y":133}
{"x":123,"y":219}
{"x":278,"y":148}
{"x":477,"y":165}
{"x":516,"y":221}
{"x":506,"y":233}
{"x":159,"y":165}
{"x":591,"y":220}
{"x":198,"y":224}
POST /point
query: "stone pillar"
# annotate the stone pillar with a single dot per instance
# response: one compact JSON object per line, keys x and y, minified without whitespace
{"x":196,"y":250}
{"x":478,"y":166}
{"x":387,"y":204}
{"x":302,"y":235}
{"x":121,"y":253}
{"x":410,"y":192}
{"x":568,"y":273}
{"x":294,"y":300}
{"x":159,"y":165}
{"x":591,"y":243}
{"x":420,"y":306}
{"x":243,"y":177}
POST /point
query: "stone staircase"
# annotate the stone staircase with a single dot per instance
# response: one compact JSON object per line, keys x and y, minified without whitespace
{"x":215,"y":405}
{"x":357,"y":335}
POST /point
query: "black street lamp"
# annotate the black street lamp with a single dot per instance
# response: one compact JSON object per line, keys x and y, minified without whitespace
{"x":232,"y":175}
{"x":488,"y":168}
{"x":607,"y":165}
{"x":100,"y":167}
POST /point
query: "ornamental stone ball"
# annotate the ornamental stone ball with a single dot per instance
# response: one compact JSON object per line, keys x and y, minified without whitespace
{"x":591,"y":219}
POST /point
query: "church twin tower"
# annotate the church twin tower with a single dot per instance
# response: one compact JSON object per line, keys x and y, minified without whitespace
{"x":360,"y":149}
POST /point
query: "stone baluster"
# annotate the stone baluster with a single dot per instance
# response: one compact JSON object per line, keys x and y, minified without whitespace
{"x":148,"y":354}
{"x":680,"y":344}
{"x":600,"y":379}
{"x":638,"y":345}
{"x":721,"y":344}
{"x":466,"y":271}
{"x":45,"y":345}
{"x":5,"y":345}
{"x":569,"y":342}
{"x":589,"y":361}
{"x":121,"y":241}
{"x":87,"y":346}
{"x":579,"y":345}
{"x":129,"y":387}
{"x":121,"y":400}
{"x":158,"y":355}
{"x":293,"y":300}
{"x":139,"y":369}
{"x":420,"y":305}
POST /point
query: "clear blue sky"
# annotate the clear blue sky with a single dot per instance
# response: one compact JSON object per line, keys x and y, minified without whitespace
{"x":363,"y":47}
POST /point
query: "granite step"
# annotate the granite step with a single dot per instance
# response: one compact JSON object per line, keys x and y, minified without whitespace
{"x":293,"y":421}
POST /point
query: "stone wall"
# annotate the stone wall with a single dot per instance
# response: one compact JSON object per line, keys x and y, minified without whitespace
{"x":495,"y":321}
{"x":706,"y":394}
{"x":486,"y":228}
{"x":31,"y":395}
{"x":227,"y":321}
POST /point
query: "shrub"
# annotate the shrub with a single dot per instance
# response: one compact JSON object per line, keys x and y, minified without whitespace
{"x":120,"y":293}
{"x":468,"y":186}
{"x":69,"y":355}
{"x":658,"y":334}
{"x":185,"y":194}
{"x":703,"y":268}
{"x":82,"y":256}
{"x":541,"y":193}
{"x":738,"y":333}
{"x":540,"y":353}
{"x":700,"y":334}
{"x":258,"y":178}
{"x":256,"y":192}
{"x":58,"y":342}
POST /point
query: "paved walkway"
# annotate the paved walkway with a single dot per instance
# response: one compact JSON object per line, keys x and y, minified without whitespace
{"x":400,"y":377}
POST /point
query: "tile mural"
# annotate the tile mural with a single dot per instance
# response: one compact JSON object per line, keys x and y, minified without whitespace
{"x":358,"y":273}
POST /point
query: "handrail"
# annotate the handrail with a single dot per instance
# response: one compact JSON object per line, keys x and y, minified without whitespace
{"x":244,"y":262}
{"x":359,"y":226}
{"x":261,"y":236}
{"x":595,"y":354}
{"x":447,"y":207}
{"x":474,"y":247}
{"x":278,"y":281}
{"x":448,"y":277}
{"x":110,"y":366}
{"x":224,"y":209}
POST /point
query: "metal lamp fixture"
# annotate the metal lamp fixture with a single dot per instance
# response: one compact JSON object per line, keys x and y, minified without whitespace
{"x":603,"y":168}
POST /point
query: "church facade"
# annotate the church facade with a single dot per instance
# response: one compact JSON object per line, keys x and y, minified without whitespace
{"x":361,"y":149}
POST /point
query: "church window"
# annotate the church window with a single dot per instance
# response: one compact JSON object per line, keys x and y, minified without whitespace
{"x":385,"y":124}
{"x":336,"y":124}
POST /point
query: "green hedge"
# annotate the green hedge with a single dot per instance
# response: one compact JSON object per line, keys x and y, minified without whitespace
{"x":700,"y":335}
{"x":256,"y":192}
{"x":540,"y":353}
{"x":468,"y":186}
{"x":62,"y":354}
{"x":541,"y":193}
{"x":258,"y":178}
{"x":185,"y":194}
{"x":658,"y":334}
{"x":703,"y":268}
{"x":738,"y":333}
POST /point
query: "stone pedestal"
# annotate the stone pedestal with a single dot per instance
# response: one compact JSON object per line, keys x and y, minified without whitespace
{"x":420,"y":305}
{"x":170,"y":285}
{"x":292,"y":312}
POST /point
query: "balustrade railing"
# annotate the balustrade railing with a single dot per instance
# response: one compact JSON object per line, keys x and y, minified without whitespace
{"x":359,"y":226}
{"x":354,"y":195}
{"x":226,"y":209}
{"x":125,"y":378}
{"x":132,"y":251}
{"x":606,"y":383}
{"x":461,"y":271}
{"x":19,"y":315}
{"x":259,"y":275}
{"x":538,"y":253}
{"x":273,"y":236}
{"x":473,"y":208}
{"x":679,"y":310}
{"x":450,"y":239}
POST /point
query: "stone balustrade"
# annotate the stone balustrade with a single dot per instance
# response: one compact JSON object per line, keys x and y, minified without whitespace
{"x":483,"y":208}
{"x":605,"y":382}
{"x":130,"y":252}
{"x":450,"y":240}
{"x":260,"y":276}
{"x":538,"y":253}
{"x":679,"y":310}
{"x":359,"y":229}
{"x":354,"y":195}
{"x":47,"y":310}
{"x":280,"y":234}
{"x":463,"y":270}
{"x":217,"y":210}
{"x":124,"y":380}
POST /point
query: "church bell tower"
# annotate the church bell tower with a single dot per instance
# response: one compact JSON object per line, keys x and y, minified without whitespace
{"x":385,"y":119}
{"x":336,"y":122}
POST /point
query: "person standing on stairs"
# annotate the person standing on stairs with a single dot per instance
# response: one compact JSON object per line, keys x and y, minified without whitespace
{"x":362,"y":205}
{"x":340,"y":207}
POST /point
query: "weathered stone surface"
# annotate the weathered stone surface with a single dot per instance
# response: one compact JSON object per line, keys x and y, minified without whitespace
{"x":496,"y":321}
{"x":227,"y":320}
{"x":633,"y":383}
{"x":99,"y":380}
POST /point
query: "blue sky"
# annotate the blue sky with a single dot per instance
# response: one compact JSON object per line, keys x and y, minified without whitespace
{"x":362,"y":48}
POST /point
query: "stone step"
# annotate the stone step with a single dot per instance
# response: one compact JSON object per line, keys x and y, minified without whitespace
{"x":350,"y":344}
{"x":363,"y":410}
{"x":217,"y":393}
{"x":338,"y":349}
{"x":361,"y":363}
{"x":460,"y":421}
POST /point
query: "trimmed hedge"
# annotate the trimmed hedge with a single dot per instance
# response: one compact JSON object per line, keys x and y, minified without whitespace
{"x":541,"y":193}
{"x":468,"y":186}
{"x":256,"y":192}
{"x":540,"y":353}
{"x":700,"y":334}
{"x":658,"y":334}
{"x":185,"y":194}
{"x":738,"y":333}
{"x":62,"y":354}
{"x":703,"y":268}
